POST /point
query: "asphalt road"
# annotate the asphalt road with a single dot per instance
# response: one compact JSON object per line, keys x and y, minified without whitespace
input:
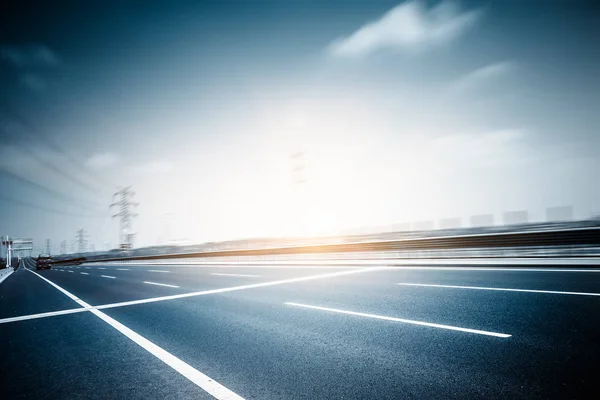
{"x":230,"y":332}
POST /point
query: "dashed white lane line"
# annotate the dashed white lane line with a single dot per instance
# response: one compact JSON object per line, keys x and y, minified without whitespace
{"x":87,"y":267}
{"x":206,"y":383}
{"x":499,"y":289}
{"x":70,"y":271}
{"x":160,"y":284}
{"x":157,"y":270}
{"x":195,"y":294}
{"x":108,"y":276}
{"x":244,"y":275}
{"x":84,"y":273}
{"x":122,"y":269}
{"x":101,"y":268}
{"x":405,"y":321}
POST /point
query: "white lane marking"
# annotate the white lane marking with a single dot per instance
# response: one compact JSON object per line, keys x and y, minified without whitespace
{"x":499,"y":289}
{"x":70,"y":271}
{"x":122,"y":269}
{"x":249,"y":276}
{"x":498,"y":269}
{"x":107,"y":276}
{"x":101,"y":268}
{"x":160,"y":284}
{"x":206,"y":383}
{"x":87,"y":267}
{"x":42,"y":315}
{"x":233,"y":265}
{"x":406,"y":321}
{"x":206,"y":292}
{"x":157,"y":270}
{"x":331,"y":263}
{"x":84,"y":273}
{"x":236,"y":288}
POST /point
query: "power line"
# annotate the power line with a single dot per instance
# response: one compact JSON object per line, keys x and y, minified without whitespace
{"x":48,"y":209}
{"x":45,"y":189}
{"x":36,"y":134}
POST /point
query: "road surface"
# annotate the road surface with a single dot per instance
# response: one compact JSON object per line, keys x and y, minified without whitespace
{"x":267,"y":332}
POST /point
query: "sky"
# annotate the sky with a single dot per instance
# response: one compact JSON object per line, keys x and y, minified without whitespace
{"x":237,"y":119}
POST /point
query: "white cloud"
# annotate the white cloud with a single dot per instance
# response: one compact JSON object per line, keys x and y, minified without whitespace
{"x":407,"y":25}
{"x":29,"y":56}
{"x":153,"y":167}
{"x":481,"y":75}
{"x":102,"y":160}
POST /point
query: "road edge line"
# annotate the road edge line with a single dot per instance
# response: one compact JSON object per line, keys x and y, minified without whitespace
{"x":201,"y":380}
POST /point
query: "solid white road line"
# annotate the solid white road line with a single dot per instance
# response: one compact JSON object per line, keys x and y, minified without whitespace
{"x":245,"y":275}
{"x":406,"y":321}
{"x":581,"y":261}
{"x":122,"y":269}
{"x":43,"y":315}
{"x":499,"y":289}
{"x":5,"y":274}
{"x":206,"y":383}
{"x":156,"y":270}
{"x":493,"y":269}
{"x":236,"y":288}
{"x":84,"y":273}
{"x":160,"y":284}
{"x":203,"y":293}
{"x":107,"y":276}
{"x":234,"y":265}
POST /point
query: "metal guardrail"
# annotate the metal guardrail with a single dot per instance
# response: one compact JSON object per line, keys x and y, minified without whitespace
{"x":579,"y":237}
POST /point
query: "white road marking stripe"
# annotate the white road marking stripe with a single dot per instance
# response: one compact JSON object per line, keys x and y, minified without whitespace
{"x":203,"y":293}
{"x":107,"y":276}
{"x":160,"y":284}
{"x":84,"y":273}
{"x":87,"y":267}
{"x":122,"y":269}
{"x":101,"y":268}
{"x":406,"y":321}
{"x":500,"y":289}
{"x":42,"y":315}
{"x":234,"y":265}
{"x":498,"y":269}
{"x":70,"y":271}
{"x":391,"y":262}
{"x":249,"y":276}
{"x":206,"y":383}
{"x":156,"y":270}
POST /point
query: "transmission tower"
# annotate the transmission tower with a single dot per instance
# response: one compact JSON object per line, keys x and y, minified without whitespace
{"x":63,"y":247}
{"x":81,"y":241}
{"x":125,"y":206}
{"x":48,"y":246}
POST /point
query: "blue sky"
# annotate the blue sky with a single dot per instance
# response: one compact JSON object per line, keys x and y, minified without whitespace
{"x":404,"y":111}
